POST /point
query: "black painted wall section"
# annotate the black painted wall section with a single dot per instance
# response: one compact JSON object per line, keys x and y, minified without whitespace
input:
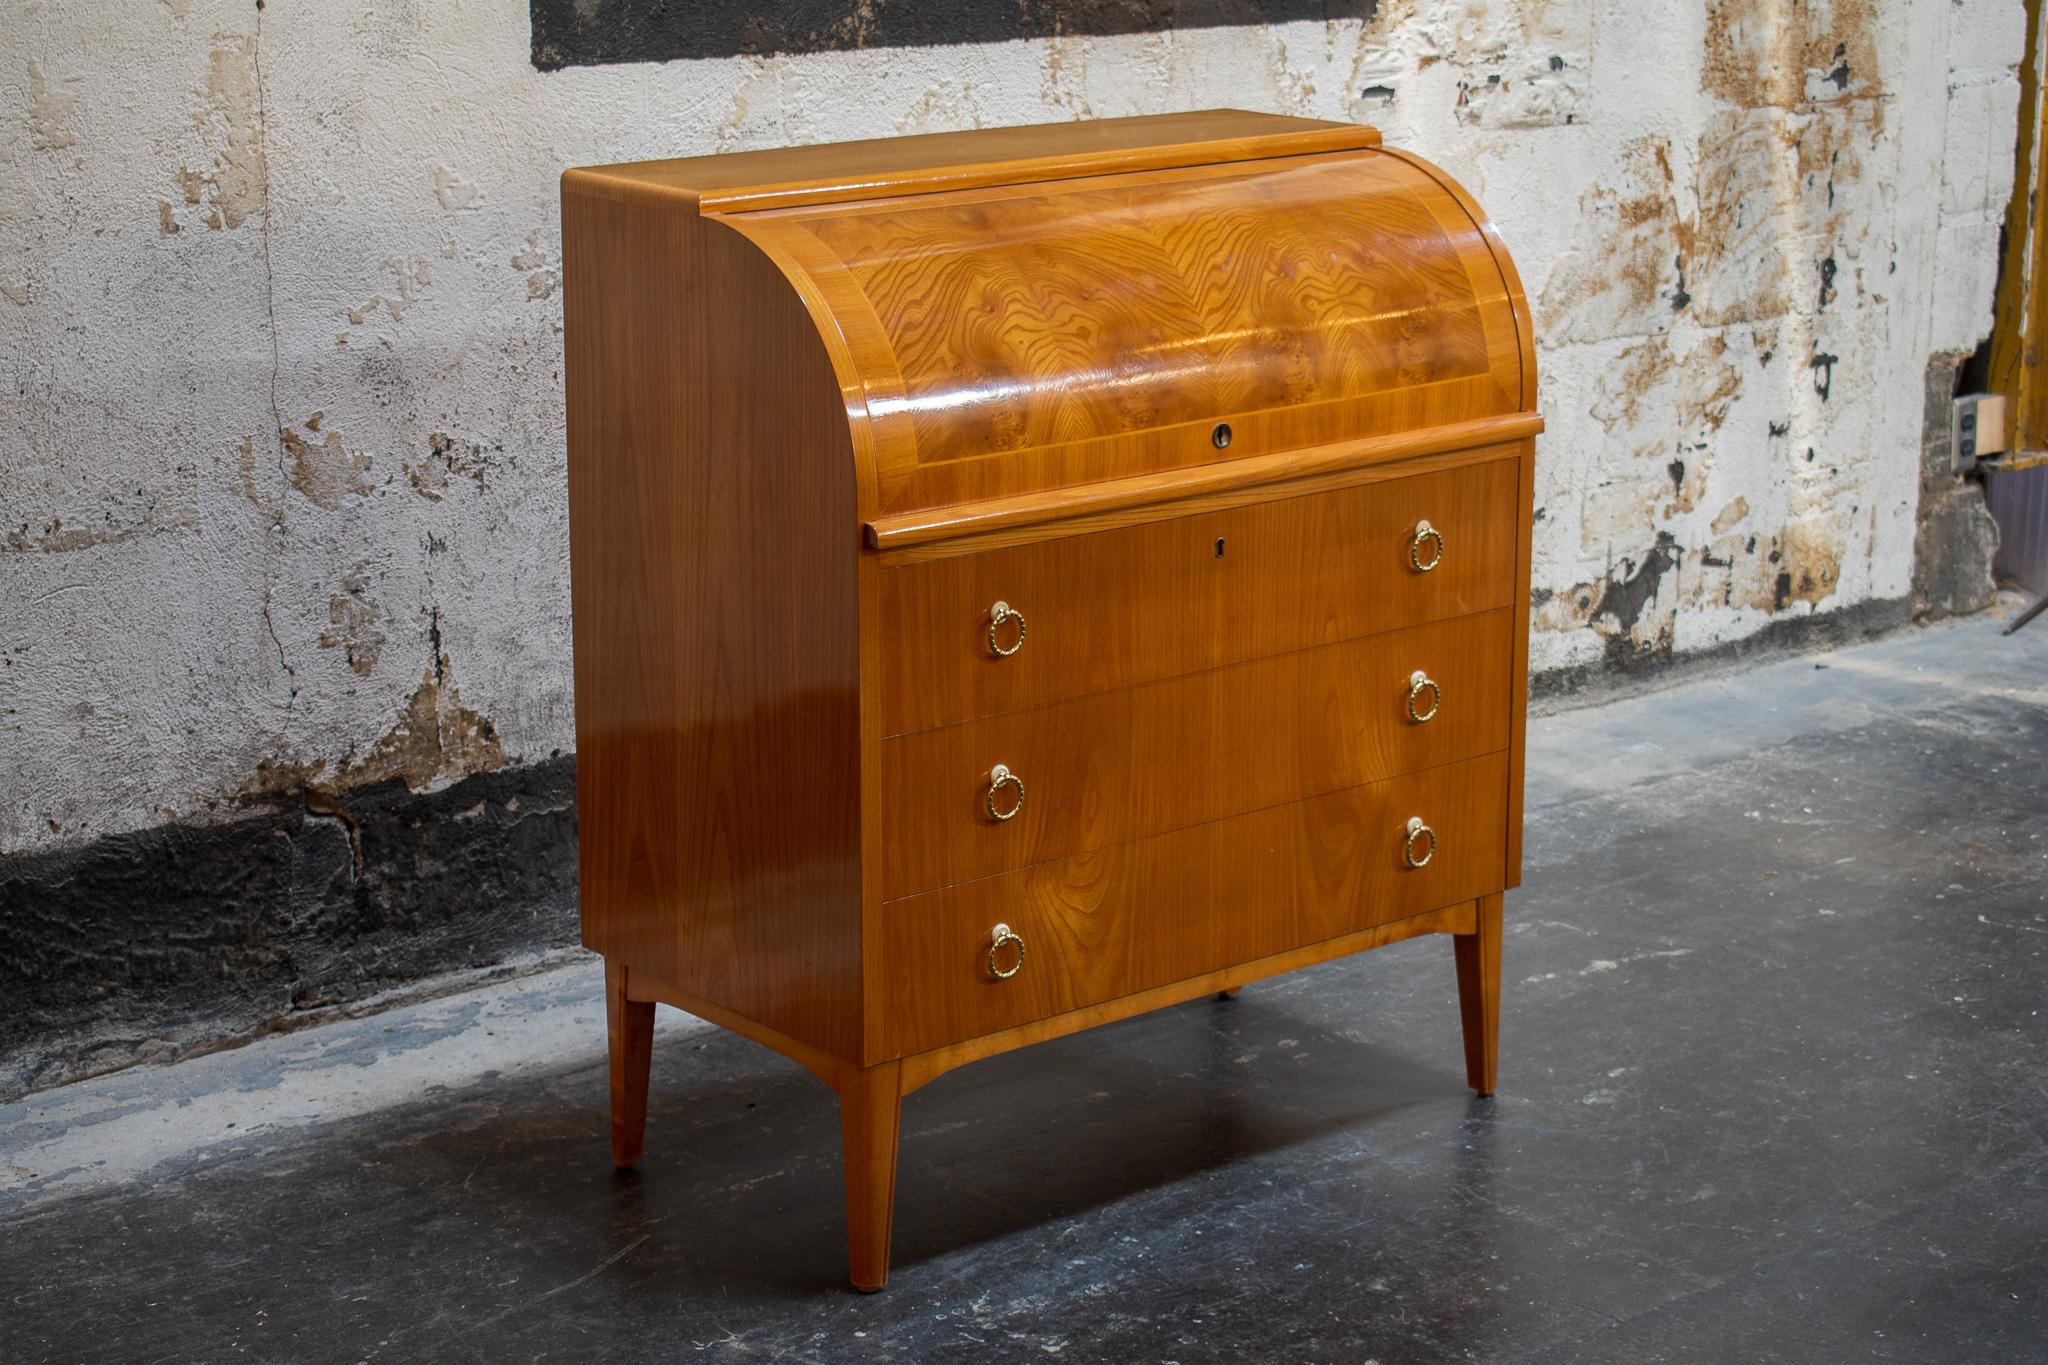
{"x":597,"y":32}
{"x":186,"y":936}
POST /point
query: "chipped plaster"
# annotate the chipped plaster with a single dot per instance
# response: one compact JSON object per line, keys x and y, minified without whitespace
{"x":281,"y":302}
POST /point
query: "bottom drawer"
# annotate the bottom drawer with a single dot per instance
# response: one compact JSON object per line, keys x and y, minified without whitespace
{"x":1133,"y":916}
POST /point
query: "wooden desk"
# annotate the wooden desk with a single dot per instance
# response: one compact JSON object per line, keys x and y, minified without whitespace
{"x":1026,"y":578}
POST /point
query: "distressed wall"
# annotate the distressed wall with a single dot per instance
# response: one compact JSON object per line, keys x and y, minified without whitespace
{"x":281,"y":468}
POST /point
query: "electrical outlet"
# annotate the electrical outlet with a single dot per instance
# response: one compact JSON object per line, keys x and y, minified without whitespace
{"x":1976,"y":428}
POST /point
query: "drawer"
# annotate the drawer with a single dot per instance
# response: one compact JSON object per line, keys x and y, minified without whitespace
{"x":1133,"y":916}
{"x":1113,"y":608}
{"x":1182,"y":751}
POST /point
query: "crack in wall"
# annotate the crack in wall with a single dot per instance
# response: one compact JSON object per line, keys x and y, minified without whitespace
{"x":274,"y":532}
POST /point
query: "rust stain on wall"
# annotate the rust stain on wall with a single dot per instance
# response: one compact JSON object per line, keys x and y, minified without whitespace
{"x":435,"y":738}
{"x":1752,"y":233}
{"x":1637,"y":603}
{"x":238,"y":184}
{"x":1786,"y":52}
{"x":1621,"y":277}
{"x":326,"y":471}
{"x":1806,"y":564}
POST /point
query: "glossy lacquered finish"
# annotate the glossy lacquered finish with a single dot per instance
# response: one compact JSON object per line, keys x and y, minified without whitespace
{"x":1135,"y":915}
{"x":1026,"y":578}
{"x":1134,"y":761}
{"x":1130,"y":605}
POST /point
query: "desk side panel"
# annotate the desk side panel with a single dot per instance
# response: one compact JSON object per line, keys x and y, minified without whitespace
{"x":713,"y":557}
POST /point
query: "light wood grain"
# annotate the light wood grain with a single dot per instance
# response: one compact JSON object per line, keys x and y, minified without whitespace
{"x":710,"y":495}
{"x":1524,"y":324}
{"x":1193,"y":503}
{"x":1478,"y":958}
{"x":1134,"y":916}
{"x":870,"y":1123}
{"x":1023,"y":338}
{"x":1000,"y":360}
{"x":630,"y":1028}
{"x":926,"y":1067}
{"x":829,"y":172}
{"x":1259,"y":479}
{"x":1126,"y":606}
{"x":1138,"y":761}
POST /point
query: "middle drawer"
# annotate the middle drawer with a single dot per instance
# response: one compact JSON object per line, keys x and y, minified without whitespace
{"x":1143,"y":760}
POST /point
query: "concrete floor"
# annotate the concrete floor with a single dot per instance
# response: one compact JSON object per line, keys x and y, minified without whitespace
{"x":1774,"y":1088}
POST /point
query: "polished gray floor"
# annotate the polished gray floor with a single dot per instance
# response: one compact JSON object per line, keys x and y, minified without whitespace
{"x":1774,"y":1088}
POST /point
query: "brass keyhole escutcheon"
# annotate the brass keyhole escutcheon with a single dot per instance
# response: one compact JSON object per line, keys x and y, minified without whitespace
{"x":1420,"y":845}
{"x":1001,"y":938}
{"x":1420,"y":683}
{"x":1000,"y":777}
{"x":1425,"y":535}
{"x":1000,"y":615}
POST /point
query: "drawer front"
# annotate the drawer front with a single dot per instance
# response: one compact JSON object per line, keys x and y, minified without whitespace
{"x":1133,"y":916}
{"x":1118,"y":607}
{"x":1183,"y":751}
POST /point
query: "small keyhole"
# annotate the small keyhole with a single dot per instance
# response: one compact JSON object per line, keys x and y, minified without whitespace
{"x":1219,"y":547}
{"x":1221,"y":436}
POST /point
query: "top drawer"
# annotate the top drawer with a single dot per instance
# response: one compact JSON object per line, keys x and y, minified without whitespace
{"x":1119,"y":607}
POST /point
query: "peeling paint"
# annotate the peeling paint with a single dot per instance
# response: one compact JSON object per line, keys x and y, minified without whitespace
{"x":50,"y":108}
{"x":238,"y":185}
{"x":1771,"y":52}
{"x":448,"y":459}
{"x":325,"y":471}
{"x":435,"y":740}
{"x":1730,"y":516}
{"x":58,"y":536}
{"x":353,"y":624}
{"x":455,"y":193}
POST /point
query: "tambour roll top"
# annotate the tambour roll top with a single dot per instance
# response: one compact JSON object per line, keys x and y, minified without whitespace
{"x":1103,"y":311}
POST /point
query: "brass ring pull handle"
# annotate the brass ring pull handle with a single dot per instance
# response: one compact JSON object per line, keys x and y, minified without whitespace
{"x":997,"y":615}
{"x":1417,"y":830}
{"x":1424,"y":534}
{"x":1418,"y":683}
{"x":1001,"y":937}
{"x":1000,"y":777}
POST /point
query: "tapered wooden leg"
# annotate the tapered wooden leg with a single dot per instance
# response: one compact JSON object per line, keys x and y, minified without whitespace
{"x":870,"y":1117}
{"x":631,"y":1025}
{"x":1479,"y":995}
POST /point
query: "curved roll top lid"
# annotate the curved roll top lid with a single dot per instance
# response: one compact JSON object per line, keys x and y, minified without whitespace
{"x":1011,"y":338}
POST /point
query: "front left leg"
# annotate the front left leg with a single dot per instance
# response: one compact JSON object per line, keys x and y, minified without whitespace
{"x":870,"y":1119}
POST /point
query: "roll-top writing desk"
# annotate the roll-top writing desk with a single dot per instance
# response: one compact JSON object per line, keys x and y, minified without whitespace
{"x":1024,"y":578}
